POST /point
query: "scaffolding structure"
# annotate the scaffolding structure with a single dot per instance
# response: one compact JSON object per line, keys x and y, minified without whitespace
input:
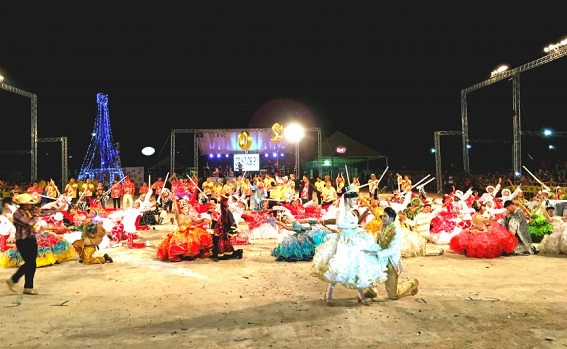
{"x":196,"y":132}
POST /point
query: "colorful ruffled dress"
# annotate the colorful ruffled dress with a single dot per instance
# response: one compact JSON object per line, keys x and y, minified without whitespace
{"x":300,"y":245}
{"x":349,"y":257}
{"x":539,"y":227}
{"x":52,"y":249}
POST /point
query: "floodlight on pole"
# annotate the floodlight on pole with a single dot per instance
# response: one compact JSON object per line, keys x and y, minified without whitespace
{"x":554,"y":47}
{"x":294,"y":133}
{"x":499,"y":70}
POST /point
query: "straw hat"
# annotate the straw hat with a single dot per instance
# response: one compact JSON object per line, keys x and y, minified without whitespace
{"x":26,"y":198}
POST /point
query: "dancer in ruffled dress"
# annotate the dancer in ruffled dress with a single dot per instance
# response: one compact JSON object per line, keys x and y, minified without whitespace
{"x":446,"y":224}
{"x":300,"y":245}
{"x":261,"y":225}
{"x":348,"y":257}
{"x":486,"y":238}
{"x":556,"y":242}
{"x":413,"y":243}
{"x":191,"y":240}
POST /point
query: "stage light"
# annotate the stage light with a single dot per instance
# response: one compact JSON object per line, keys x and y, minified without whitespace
{"x":210,"y":156}
{"x":554,"y":47}
{"x":266,"y":155}
{"x":282,"y":154}
{"x":147,"y":151}
{"x":432,"y":150}
{"x":226,"y":155}
{"x":275,"y":155}
{"x":469,"y":146}
{"x":326,"y":163}
{"x":1,"y":78}
{"x":218,"y":155}
{"x":551,"y":147}
{"x":294,"y":132}
{"x":517,"y":174}
{"x":501,"y":69}
{"x":547,"y":132}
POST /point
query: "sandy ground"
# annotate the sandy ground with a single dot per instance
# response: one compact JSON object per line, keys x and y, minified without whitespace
{"x":256,"y":302}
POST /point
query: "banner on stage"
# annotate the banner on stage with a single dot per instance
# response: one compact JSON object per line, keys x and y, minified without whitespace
{"x":247,"y":162}
{"x":136,"y":175}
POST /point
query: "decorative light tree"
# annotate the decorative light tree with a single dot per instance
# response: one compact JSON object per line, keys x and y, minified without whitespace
{"x":102,"y":161}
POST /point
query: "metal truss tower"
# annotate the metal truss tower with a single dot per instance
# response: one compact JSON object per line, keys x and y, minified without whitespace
{"x":102,"y":161}
{"x":514,"y":76}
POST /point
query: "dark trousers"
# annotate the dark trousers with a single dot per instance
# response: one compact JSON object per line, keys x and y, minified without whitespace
{"x":116,"y":202}
{"x":28,"y":250}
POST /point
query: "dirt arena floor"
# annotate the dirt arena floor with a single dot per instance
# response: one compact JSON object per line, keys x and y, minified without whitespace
{"x":256,"y":302}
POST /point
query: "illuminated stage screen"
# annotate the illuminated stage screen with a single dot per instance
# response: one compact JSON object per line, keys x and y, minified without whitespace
{"x":250,"y":162}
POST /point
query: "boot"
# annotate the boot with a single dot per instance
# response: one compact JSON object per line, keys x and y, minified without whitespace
{"x":11,"y":285}
{"x":215,"y":251}
{"x":371,"y":293}
{"x":408,"y":288}
{"x":238,"y":253}
{"x":132,"y":244}
{"x":362,"y":299}
{"x":107,"y":258}
{"x":30,"y":291}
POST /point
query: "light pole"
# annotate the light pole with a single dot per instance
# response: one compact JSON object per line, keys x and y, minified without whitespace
{"x":148,"y":151}
{"x":295,"y":133}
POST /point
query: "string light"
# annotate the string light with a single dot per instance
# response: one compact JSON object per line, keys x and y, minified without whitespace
{"x":102,"y":160}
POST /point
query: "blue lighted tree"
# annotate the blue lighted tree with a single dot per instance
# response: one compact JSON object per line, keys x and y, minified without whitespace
{"x":102,"y":161}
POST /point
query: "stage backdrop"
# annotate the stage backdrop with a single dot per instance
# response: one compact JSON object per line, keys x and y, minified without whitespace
{"x":136,"y":175}
{"x":226,"y":142}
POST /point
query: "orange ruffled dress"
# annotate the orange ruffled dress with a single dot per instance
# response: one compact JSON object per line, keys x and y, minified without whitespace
{"x":189,"y":242}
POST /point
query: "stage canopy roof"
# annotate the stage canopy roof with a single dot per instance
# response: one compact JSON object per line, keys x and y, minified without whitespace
{"x":353,"y":149}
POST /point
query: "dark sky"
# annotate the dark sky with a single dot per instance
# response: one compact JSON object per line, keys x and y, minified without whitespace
{"x":386,"y":75}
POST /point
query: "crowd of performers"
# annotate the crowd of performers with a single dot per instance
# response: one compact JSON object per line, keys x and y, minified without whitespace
{"x":351,"y":239}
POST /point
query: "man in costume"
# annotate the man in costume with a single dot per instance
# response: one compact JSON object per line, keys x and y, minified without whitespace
{"x":93,"y":234}
{"x":128,"y":190}
{"x":305,"y":190}
{"x":224,"y":229}
{"x":26,"y":219}
{"x":516,"y":222}
{"x":390,"y":240}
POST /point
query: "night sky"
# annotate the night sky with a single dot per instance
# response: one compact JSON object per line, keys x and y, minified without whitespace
{"x":386,"y":75}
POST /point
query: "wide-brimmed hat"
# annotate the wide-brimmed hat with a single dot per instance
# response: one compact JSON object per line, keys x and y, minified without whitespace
{"x":25,"y":198}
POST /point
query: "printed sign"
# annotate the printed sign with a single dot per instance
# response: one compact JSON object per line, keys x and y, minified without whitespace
{"x":247,"y":162}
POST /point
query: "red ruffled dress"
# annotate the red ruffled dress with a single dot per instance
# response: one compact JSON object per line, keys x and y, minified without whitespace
{"x":485,"y":242}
